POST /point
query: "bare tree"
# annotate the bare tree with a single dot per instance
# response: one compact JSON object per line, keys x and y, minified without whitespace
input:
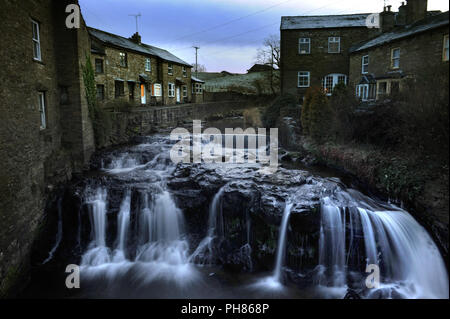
{"x":269,"y":54}
{"x":200,"y":67}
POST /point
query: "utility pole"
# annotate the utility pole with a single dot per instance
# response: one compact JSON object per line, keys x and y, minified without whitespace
{"x":196,"y":60}
{"x":136,"y":16}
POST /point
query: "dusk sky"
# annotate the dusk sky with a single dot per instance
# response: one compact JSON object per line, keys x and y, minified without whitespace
{"x":228,"y":32}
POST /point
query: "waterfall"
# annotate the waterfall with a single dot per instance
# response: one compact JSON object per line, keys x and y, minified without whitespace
{"x":281,"y":249}
{"x":123,"y":222}
{"x":409,"y":261}
{"x":98,"y":253}
{"x":273,"y":282}
{"x":58,"y":234}
{"x":204,"y":254}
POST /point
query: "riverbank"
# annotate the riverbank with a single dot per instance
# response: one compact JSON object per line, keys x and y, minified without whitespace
{"x":417,"y":183}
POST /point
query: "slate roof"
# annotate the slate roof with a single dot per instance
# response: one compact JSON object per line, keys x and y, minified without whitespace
{"x":429,"y":23}
{"x":193,"y":78}
{"x":324,"y":21}
{"x":118,"y":41}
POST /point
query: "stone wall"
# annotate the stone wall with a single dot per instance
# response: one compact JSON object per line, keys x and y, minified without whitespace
{"x":143,"y":121}
{"x":319,"y":62}
{"x":34,"y":159}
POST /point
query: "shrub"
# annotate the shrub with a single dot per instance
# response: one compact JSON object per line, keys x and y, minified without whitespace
{"x":342,"y":106}
{"x":273,"y":111}
{"x":318,"y":115}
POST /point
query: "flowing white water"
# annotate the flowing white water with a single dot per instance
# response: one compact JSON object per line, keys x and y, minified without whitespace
{"x":281,"y":249}
{"x":98,"y":253}
{"x":123,"y":223}
{"x":274,"y":282}
{"x":410,"y":263}
{"x":58,"y":234}
{"x":204,"y":254}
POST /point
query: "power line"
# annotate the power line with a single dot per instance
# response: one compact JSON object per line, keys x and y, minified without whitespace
{"x":259,"y":28}
{"x":234,"y":20}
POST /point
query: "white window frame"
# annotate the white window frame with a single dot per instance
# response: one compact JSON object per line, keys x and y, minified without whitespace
{"x":184,"y":72}
{"x":365,"y":64}
{"x":148,"y":65}
{"x":445,"y":50}
{"x":362,"y":91}
{"x":157,"y":88}
{"x":304,"y":41}
{"x":170,"y":68}
{"x":303,"y":74}
{"x":334,"y":40}
{"x":171,"y":90}
{"x":335,"y":77}
{"x":185,"y":90}
{"x":42,"y":110}
{"x":394,"y":58}
{"x":198,"y":88}
{"x":37,"y":54}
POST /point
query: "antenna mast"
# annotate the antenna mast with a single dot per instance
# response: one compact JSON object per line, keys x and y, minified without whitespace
{"x":136,"y":16}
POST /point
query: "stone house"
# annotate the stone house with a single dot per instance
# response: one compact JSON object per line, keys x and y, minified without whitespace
{"x":413,"y":40}
{"x":45,"y":130}
{"x":315,"y":50}
{"x":129,"y":70}
{"x":197,"y":90}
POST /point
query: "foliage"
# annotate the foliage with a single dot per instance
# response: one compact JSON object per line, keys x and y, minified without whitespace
{"x":273,"y":111}
{"x":318,"y":115}
{"x":101,"y":120}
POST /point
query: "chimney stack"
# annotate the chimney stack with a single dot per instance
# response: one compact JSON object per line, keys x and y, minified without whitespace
{"x":402,"y":14}
{"x":416,"y":10}
{"x":387,"y":19}
{"x":136,"y":38}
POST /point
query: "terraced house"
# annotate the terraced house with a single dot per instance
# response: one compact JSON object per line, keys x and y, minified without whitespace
{"x":129,"y":70}
{"x":413,"y":41}
{"x":315,"y":50}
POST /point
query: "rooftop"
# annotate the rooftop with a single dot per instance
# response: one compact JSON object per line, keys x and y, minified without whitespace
{"x":324,"y":21}
{"x":429,"y":23}
{"x":118,"y":41}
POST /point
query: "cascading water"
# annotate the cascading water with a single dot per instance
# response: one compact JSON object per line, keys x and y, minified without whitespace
{"x":123,"y":222}
{"x":410,"y":263}
{"x":204,"y":254}
{"x":274,"y":282}
{"x":139,"y":244}
{"x":281,"y":249}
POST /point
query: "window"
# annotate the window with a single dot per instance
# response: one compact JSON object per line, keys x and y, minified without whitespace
{"x":119,"y":89}
{"x":197,"y":88}
{"x":331,"y":80}
{"x":382,"y":88}
{"x":170,"y":68}
{"x":362,"y":91}
{"x":304,"y":46}
{"x":445,"y":52}
{"x":334,"y":45}
{"x":184,"y":72}
{"x":98,"y":66}
{"x":303,"y":79}
{"x":171,"y":90}
{"x":395,"y":58}
{"x":36,"y":41}
{"x":185,"y":94}
{"x":148,"y":65}
{"x":157,"y":89}
{"x":365,"y":64}
{"x":123,"y":59}
{"x":41,"y":97}
{"x":100,"y":92}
